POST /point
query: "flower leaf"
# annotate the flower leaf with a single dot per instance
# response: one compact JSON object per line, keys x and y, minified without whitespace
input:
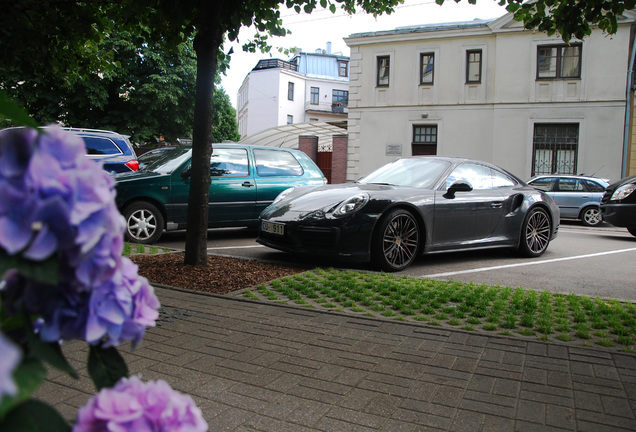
{"x":28,"y":377}
{"x":51,"y":353}
{"x":106,"y":366}
{"x":11,"y":111}
{"x":36,"y":416}
{"x":41,"y":271}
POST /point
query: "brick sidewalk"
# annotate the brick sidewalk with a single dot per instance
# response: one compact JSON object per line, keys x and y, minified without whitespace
{"x":263,"y":367}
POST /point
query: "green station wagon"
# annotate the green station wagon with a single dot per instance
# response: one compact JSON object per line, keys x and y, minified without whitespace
{"x":244,"y":180}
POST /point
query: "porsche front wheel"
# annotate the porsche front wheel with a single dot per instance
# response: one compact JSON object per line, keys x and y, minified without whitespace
{"x":396,"y":242}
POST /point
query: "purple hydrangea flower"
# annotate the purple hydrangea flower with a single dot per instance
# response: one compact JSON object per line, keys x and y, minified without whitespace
{"x":136,"y":406}
{"x":58,"y":201}
{"x":11,"y":356}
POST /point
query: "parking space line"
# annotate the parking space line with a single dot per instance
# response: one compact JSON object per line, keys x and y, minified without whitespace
{"x":483,"y":269}
{"x":235,"y":247}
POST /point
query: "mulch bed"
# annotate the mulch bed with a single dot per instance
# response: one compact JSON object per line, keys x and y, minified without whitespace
{"x":221,"y":276}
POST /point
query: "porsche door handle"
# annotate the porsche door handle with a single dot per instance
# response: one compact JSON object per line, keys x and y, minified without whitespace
{"x":496,"y":205}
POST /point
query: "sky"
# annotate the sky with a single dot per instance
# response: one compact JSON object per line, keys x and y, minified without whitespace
{"x":312,"y":31}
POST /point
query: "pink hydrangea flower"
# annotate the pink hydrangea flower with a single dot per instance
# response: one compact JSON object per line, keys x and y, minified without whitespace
{"x":133,"y":405}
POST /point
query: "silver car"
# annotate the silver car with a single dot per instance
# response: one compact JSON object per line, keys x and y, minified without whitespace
{"x":578,"y":197}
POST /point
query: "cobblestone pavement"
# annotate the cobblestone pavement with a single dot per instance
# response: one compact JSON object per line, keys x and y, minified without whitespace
{"x":254,"y":366}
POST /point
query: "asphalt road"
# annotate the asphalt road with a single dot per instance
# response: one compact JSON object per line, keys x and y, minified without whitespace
{"x":592,"y":261}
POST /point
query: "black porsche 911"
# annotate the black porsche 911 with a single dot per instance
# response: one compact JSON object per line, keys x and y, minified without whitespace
{"x":420,"y":204}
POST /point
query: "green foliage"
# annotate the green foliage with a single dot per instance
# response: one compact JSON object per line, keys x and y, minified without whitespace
{"x":42,"y":36}
{"x":149,"y":93}
{"x":224,"y":125}
{"x":34,"y":416}
{"x":570,"y":19}
{"x":520,"y":312}
{"x":13,"y":114}
{"x":42,"y":271}
{"x":106,"y":366}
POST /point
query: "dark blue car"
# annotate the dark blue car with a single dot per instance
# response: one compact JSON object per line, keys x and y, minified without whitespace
{"x":112,"y":148}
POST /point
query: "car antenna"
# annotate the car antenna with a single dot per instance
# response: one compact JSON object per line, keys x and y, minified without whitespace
{"x":597,"y":170}
{"x":284,"y":139}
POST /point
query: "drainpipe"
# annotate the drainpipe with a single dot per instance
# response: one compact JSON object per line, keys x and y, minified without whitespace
{"x":628,"y":109}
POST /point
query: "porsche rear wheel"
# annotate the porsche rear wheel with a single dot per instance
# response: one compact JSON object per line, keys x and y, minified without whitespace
{"x":397,"y":241}
{"x":535,"y":233}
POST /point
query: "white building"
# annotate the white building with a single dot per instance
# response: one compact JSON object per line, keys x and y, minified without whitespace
{"x":311,"y":87}
{"x":491,"y":91}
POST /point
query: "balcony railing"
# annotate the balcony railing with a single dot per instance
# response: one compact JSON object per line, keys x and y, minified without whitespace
{"x":275,"y":63}
{"x":327,"y":107}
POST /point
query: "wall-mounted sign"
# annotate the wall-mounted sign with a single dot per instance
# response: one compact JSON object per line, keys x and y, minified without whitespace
{"x":394,"y":149}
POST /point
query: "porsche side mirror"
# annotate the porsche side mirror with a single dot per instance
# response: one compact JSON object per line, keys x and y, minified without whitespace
{"x":458,"y":186}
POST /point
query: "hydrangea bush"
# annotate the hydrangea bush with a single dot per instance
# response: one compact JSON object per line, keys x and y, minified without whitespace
{"x":63,"y":277}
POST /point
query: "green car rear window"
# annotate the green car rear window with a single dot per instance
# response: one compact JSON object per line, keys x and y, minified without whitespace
{"x":276,"y":163}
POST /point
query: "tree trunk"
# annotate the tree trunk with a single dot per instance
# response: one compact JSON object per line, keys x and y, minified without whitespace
{"x":206,"y":45}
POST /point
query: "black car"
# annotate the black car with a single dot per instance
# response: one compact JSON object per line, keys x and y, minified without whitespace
{"x":618,"y":206}
{"x":410,"y":206}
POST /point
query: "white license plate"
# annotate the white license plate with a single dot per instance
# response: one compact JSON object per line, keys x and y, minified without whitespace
{"x":273,"y":228}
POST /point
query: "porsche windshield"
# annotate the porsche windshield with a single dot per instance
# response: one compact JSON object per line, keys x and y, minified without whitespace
{"x":412,"y":172}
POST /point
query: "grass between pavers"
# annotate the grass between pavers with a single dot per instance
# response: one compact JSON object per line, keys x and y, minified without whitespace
{"x":513,"y":312}
{"x":135,"y":248}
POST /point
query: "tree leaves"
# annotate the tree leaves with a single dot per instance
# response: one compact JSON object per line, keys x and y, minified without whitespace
{"x":570,"y":19}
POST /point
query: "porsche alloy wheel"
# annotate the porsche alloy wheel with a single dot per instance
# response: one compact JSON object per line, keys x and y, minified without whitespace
{"x":397,"y":241}
{"x":535,"y":233}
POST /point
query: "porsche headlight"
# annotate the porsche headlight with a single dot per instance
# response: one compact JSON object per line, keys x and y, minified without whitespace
{"x":623,"y":192}
{"x":282,"y":195}
{"x":351,"y":205}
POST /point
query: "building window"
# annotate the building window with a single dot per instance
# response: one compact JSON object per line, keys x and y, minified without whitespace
{"x":559,"y":61}
{"x":383,"y":71}
{"x":555,"y":148}
{"x":424,"y":140}
{"x":340,"y":96}
{"x":290,"y":91}
{"x":473,"y":66}
{"x":290,"y":119}
{"x":314,"y":96}
{"x":426,"y":68}
{"x":343,"y":68}
{"x":339,"y":100}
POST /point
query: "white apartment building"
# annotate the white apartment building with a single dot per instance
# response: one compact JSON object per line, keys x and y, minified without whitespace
{"x":494,"y":91}
{"x":311,"y":87}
